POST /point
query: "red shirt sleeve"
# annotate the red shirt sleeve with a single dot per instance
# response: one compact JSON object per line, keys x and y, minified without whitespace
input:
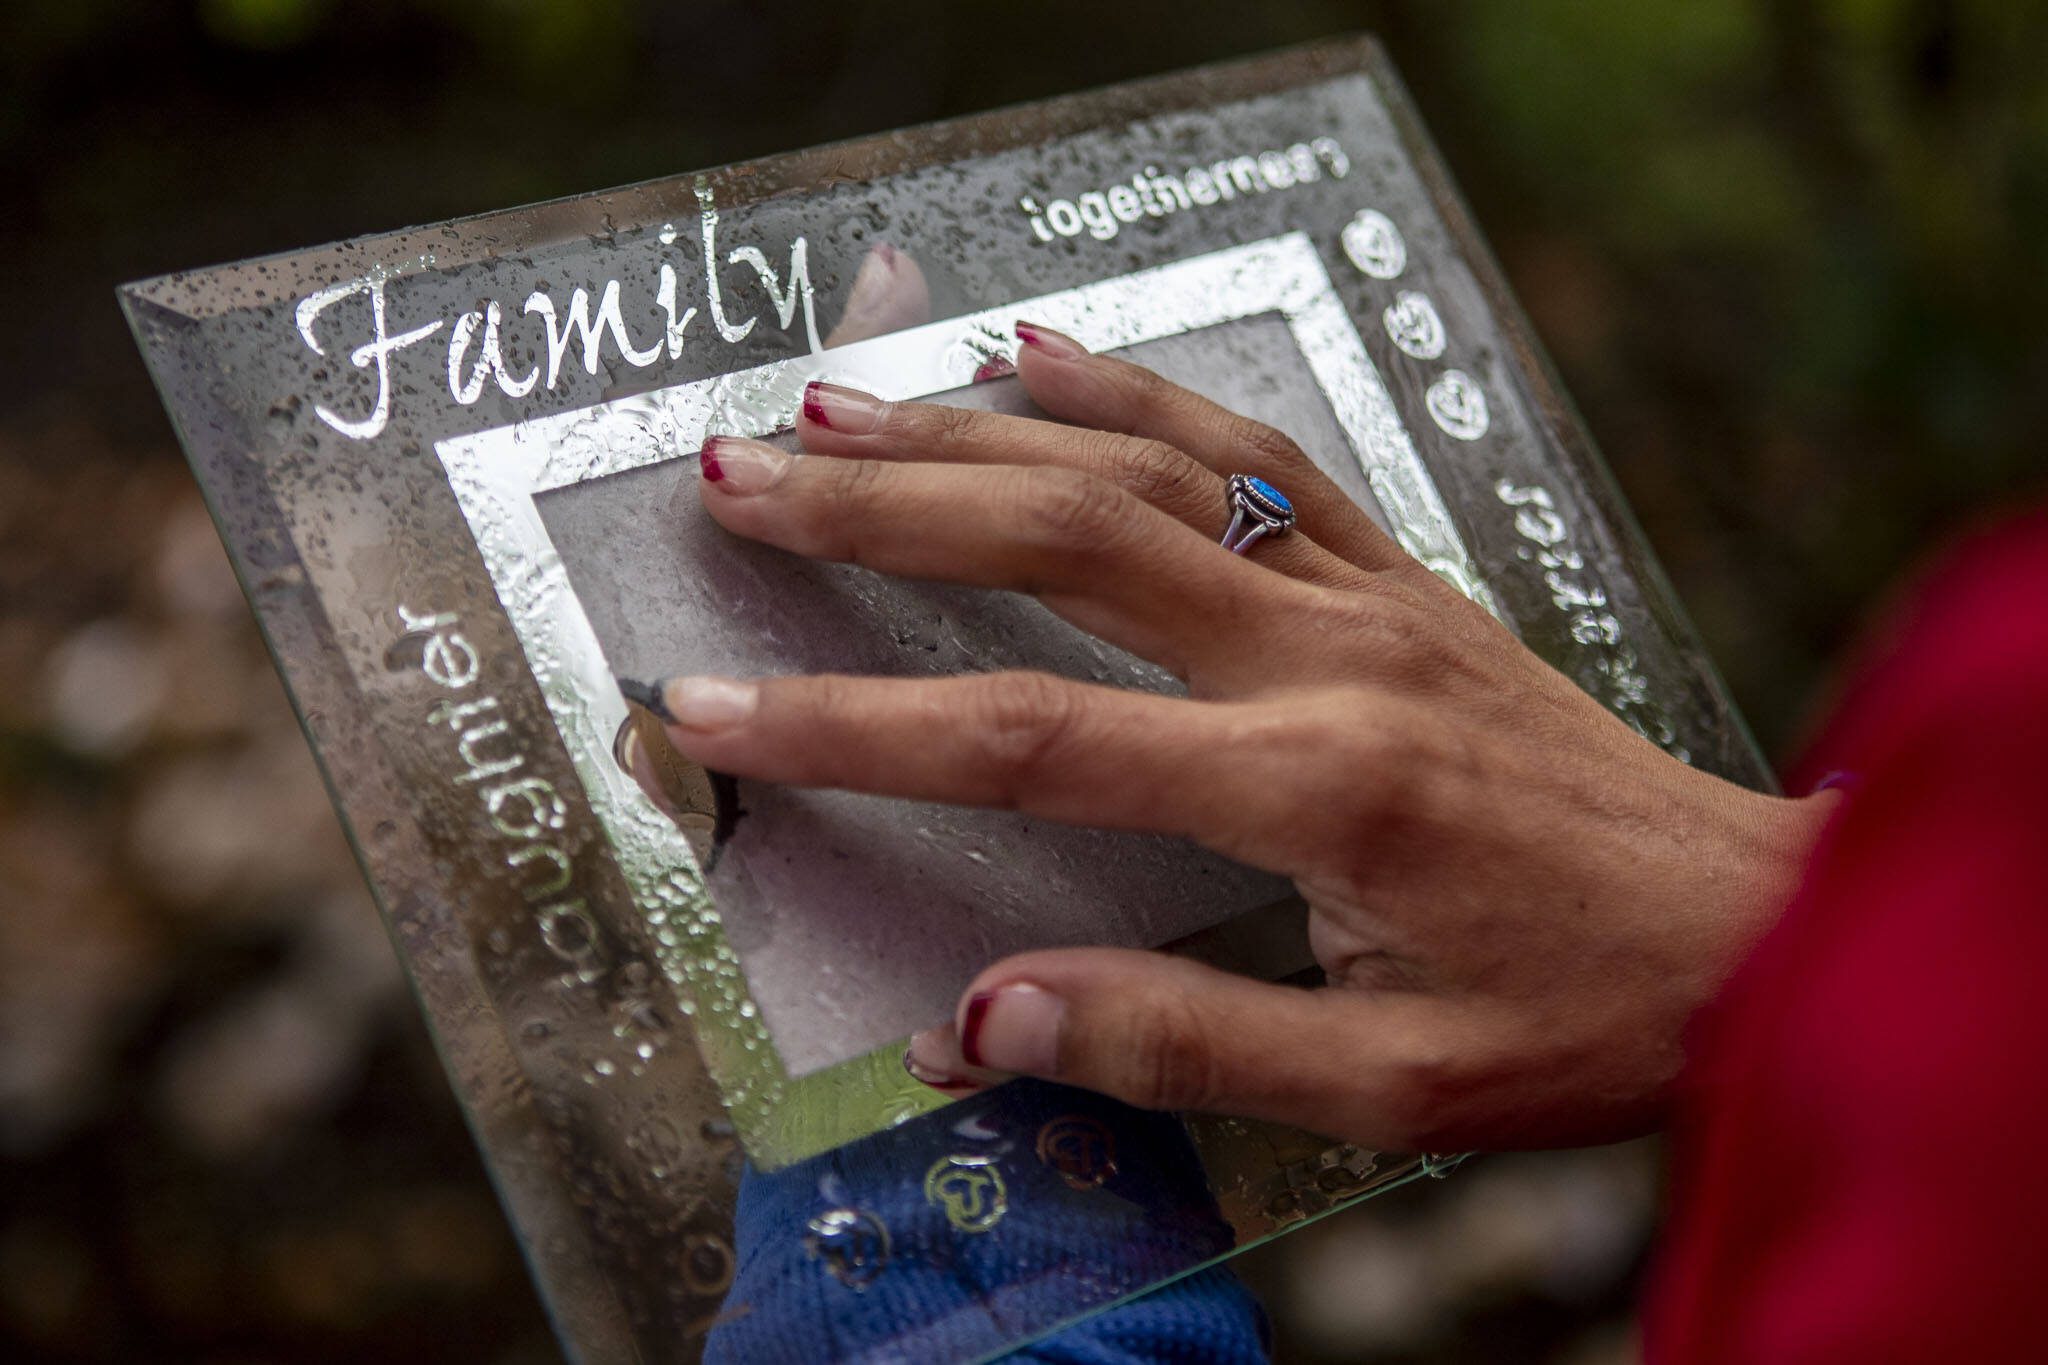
{"x":1857,"y":1170}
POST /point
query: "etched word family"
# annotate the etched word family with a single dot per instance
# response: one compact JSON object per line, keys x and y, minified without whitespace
{"x":476,"y":339}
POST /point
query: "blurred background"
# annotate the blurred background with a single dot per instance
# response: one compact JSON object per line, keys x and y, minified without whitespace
{"x":1786,"y":255}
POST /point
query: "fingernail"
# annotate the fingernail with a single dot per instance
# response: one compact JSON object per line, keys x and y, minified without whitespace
{"x":937,"y":1080}
{"x":707,"y":703}
{"x":631,"y":752}
{"x":995,"y":367}
{"x":644,"y":694}
{"x":738,"y":465}
{"x":889,"y":293}
{"x":1046,"y":341}
{"x":838,"y":408}
{"x":626,"y":747}
{"x":1013,"y":1028}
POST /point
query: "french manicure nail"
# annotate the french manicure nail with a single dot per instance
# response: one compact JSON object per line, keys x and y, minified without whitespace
{"x":838,"y":408}
{"x":1013,"y":1028}
{"x":644,"y":694}
{"x":937,"y":1080}
{"x":1046,"y":341}
{"x":705,"y":703}
{"x":738,"y":465}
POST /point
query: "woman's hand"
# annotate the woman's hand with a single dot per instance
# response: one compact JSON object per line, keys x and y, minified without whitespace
{"x":1518,"y":901}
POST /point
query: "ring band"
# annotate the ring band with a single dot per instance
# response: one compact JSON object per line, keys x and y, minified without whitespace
{"x":1256,"y":509}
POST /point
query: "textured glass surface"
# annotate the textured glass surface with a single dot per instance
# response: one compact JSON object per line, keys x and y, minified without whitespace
{"x":446,"y":462}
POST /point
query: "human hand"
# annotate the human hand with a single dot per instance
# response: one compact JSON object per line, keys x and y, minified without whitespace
{"x":1518,"y":901}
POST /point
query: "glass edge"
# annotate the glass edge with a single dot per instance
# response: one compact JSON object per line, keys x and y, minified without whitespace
{"x":572,"y":1330}
{"x":1004,"y":128}
{"x":1414,"y":1168}
{"x":1550,"y":402}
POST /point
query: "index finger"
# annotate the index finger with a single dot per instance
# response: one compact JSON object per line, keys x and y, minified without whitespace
{"x":1233,"y":776}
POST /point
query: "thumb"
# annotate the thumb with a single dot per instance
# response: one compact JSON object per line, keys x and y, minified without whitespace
{"x":1164,"y":1032}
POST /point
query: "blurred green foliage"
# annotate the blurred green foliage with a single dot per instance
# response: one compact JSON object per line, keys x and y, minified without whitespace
{"x":1812,"y":229}
{"x":1782,"y":249}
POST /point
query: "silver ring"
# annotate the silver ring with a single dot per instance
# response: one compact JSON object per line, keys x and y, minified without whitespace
{"x":1256,"y":509}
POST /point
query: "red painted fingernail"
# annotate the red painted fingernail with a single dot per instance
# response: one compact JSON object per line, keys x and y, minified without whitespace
{"x":741,"y":466}
{"x":970,"y":1026}
{"x":1046,"y":341}
{"x":995,"y":367}
{"x":814,"y":408}
{"x":1014,"y":1028}
{"x":838,"y":408}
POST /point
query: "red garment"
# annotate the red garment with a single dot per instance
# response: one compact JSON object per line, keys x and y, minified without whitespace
{"x":1858,"y":1168}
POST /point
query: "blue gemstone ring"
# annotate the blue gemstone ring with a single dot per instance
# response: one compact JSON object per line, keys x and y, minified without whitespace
{"x":1256,"y":509}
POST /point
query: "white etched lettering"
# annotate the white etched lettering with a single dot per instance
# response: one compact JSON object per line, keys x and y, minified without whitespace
{"x":707,"y":226}
{"x":1152,"y":193}
{"x":678,"y":323}
{"x":786,"y":301}
{"x":490,"y":360}
{"x":374,"y":353}
{"x":536,"y":808}
{"x":591,"y":330}
{"x":554,"y":883}
{"x":477,"y":336}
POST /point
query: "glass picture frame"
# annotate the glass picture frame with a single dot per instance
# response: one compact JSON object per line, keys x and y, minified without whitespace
{"x":412,"y":444}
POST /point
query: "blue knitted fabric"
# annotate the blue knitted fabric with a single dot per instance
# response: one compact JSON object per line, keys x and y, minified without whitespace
{"x":944,"y":1294}
{"x":1208,"y":1318}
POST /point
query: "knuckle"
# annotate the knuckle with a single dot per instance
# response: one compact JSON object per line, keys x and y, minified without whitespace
{"x":1429,"y":1083}
{"x":1172,"y":1063}
{"x":1408,"y":579}
{"x":1348,"y":744}
{"x":1403,"y":633}
{"x":831,"y":524}
{"x":811,"y":703}
{"x":1024,"y":722}
{"x":1142,"y":389}
{"x":1074,"y":510}
{"x":949,"y":430}
{"x":856,"y":484}
{"x":1411,"y":768}
{"x":1360,"y":761}
{"x":1264,"y":446}
{"x":1403,"y":642}
{"x":1352,"y":617}
{"x":1390,"y":749}
{"x":1152,"y":470}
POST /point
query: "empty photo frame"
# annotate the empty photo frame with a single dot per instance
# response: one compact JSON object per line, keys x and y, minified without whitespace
{"x":454,"y":468}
